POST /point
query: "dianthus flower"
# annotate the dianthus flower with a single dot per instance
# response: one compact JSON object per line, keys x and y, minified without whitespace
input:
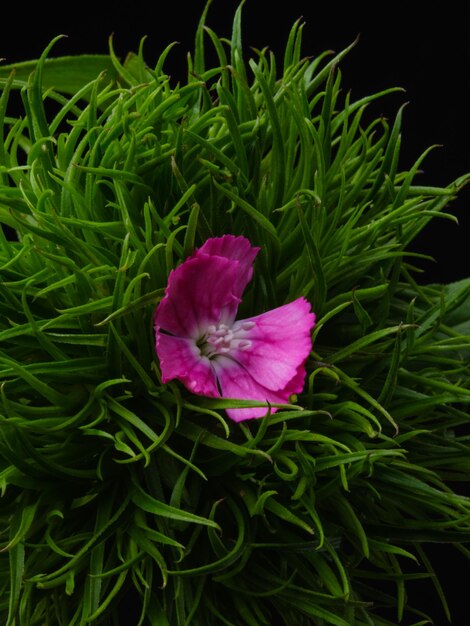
{"x":200,"y":342}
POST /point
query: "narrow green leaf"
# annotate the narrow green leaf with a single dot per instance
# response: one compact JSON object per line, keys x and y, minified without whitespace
{"x":144,"y":501}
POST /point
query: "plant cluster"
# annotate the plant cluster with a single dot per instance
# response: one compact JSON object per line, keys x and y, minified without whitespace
{"x":117,"y":489}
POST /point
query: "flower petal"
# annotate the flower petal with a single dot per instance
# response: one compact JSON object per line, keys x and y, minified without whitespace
{"x":237,"y":249}
{"x":235,"y":382}
{"x":280,"y":344}
{"x":180,"y":358}
{"x":199,"y":292}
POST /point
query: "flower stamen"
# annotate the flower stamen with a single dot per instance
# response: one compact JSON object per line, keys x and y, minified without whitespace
{"x":222,"y":339}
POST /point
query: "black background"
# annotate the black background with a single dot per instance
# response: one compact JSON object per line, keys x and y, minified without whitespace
{"x":424,"y":49}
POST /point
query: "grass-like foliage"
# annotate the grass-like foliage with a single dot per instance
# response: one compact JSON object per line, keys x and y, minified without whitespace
{"x":118,"y":490}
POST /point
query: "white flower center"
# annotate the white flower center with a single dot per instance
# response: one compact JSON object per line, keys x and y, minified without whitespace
{"x":222,"y":339}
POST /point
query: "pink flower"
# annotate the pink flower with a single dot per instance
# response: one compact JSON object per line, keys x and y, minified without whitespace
{"x":200,"y":343}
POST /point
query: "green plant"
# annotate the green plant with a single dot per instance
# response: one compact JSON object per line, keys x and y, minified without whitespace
{"x":115,"y":486}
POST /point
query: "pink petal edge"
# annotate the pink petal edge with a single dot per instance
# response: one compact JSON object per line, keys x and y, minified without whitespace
{"x":280,"y":342}
{"x":199,"y":292}
{"x":235,"y":248}
{"x":237,"y":383}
